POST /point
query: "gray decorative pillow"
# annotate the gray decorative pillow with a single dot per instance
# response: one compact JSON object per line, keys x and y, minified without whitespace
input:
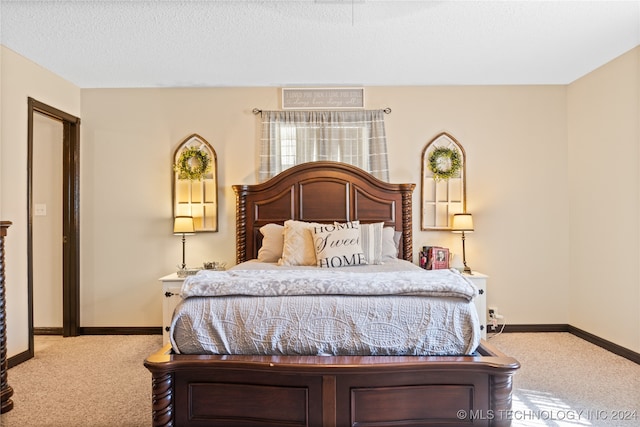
{"x":390,"y":243}
{"x":338,"y":245}
{"x":371,"y":241}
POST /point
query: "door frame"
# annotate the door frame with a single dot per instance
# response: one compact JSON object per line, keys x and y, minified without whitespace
{"x":70,"y":218}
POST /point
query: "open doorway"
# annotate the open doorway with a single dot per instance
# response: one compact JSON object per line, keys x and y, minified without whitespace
{"x":46,"y":194}
{"x":53,"y":232}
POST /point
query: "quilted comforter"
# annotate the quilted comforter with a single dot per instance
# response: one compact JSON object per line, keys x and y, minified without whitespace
{"x":392,"y":309}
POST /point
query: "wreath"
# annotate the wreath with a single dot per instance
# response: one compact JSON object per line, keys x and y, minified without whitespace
{"x":444,"y":163}
{"x":192,"y":164}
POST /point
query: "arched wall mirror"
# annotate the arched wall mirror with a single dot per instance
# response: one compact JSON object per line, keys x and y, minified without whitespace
{"x":195,"y":183}
{"x":443,"y":182}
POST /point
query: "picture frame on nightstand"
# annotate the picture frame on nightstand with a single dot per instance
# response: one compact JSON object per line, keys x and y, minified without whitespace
{"x":434,"y":257}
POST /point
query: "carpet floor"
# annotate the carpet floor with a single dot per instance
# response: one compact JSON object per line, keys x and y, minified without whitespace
{"x":565,"y":381}
{"x":100,"y":381}
{"x":85,"y":381}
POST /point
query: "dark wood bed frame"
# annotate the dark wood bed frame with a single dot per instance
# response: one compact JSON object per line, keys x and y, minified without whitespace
{"x":327,"y":391}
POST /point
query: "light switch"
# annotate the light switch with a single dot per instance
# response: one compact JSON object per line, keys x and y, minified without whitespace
{"x":41,"y":209}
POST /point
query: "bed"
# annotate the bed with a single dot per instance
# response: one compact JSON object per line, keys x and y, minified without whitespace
{"x":309,"y":389}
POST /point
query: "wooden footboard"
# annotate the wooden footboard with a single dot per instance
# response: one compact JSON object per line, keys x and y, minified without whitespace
{"x":197,"y":390}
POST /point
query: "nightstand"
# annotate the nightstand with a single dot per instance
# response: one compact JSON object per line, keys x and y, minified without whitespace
{"x":480,"y":280}
{"x":171,"y":285}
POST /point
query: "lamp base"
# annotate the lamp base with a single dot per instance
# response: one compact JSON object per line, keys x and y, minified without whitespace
{"x":466,"y":270}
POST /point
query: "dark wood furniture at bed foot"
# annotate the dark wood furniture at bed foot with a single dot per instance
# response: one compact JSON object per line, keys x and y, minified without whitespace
{"x":6,"y":404}
{"x":230,"y":391}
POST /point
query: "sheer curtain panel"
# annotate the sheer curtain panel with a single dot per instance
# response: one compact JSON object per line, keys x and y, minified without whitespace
{"x":293,"y":137}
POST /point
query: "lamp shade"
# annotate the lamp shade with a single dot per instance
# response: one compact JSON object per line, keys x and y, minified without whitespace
{"x":183,"y":224}
{"x":462,"y":222}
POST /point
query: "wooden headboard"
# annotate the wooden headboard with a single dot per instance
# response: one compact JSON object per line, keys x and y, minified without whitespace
{"x":321,"y":192}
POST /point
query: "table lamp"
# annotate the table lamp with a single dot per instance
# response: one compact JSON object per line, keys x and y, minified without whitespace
{"x":463,"y":222}
{"x":183,"y":225}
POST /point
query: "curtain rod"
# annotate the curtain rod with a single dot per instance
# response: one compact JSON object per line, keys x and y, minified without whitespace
{"x":259,"y":111}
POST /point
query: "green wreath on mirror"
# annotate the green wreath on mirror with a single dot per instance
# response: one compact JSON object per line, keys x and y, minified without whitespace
{"x":192,"y":164}
{"x":445,"y":163}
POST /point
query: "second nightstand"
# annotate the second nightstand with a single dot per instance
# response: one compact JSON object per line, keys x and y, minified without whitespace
{"x":171,"y":285}
{"x":480,"y":280}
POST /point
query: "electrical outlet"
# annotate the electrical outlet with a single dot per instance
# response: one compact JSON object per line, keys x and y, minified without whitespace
{"x":493,"y":311}
{"x":494,"y":324}
{"x":495,"y":319}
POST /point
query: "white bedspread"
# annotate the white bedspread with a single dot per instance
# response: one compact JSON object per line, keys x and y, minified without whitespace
{"x":387,"y":311}
{"x":270,"y":282}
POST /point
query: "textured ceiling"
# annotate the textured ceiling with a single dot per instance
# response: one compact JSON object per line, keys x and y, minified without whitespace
{"x":134,"y":43}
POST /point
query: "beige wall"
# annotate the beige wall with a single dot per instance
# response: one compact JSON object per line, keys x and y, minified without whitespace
{"x":519,"y":142}
{"x":604,"y":184}
{"x":21,"y":79}
{"x":520,"y":208}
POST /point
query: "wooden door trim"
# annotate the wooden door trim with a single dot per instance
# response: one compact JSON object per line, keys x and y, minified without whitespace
{"x":71,"y":217}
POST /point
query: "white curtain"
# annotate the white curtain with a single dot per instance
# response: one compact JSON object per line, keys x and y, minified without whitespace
{"x":293,"y":137}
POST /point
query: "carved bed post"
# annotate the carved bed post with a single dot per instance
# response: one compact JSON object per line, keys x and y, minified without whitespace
{"x":162,"y":396}
{"x":162,"y":399}
{"x":407,"y":232}
{"x":6,"y":404}
{"x":241,"y":224}
{"x":501,"y":398}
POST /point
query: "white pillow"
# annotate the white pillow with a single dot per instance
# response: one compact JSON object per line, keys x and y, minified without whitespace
{"x":298,"y":243}
{"x":371,"y":241}
{"x":390,"y":243}
{"x":272,"y":243}
{"x":338,"y":245}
